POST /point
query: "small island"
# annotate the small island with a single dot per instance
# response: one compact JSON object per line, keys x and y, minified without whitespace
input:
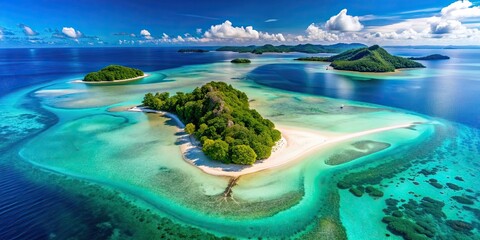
{"x":192,"y":50}
{"x":219,"y":117}
{"x":371,"y":59}
{"x":431,"y":57}
{"x":240,"y":60}
{"x":313,"y":59}
{"x":114,"y":73}
{"x":303,"y":48}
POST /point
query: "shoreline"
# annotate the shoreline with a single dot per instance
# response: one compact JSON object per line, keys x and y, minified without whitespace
{"x":115,"y":81}
{"x":296,"y":144}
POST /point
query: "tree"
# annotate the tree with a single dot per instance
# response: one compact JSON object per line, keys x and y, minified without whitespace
{"x":216,"y":149}
{"x":243,"y":154}
{"x":190,"y":128}
{"x":220,"y":117}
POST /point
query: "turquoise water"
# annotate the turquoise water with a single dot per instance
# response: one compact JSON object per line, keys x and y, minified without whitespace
{"x":83,"y":132}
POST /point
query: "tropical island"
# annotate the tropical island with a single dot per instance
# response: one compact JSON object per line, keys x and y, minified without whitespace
{"x":219,"y":117}
{"x":240,"y":60}
{"x":192,"y":50}
{"x":115,"y":73}
{"x":431,"y":57}
{"x":371,"y":59}
{"x":303,"y":48}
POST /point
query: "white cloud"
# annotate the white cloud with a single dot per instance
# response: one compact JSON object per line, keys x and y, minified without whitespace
{"x":28,"y":31}
{"x":344,"y":22}
{"x":315,"y":33}
{"x":459,"y":10}
{"x":199,"y":30}
{"x":1,"y":34}
{"x":226,"y":31}
{"x":71,"y":32}
{"x":271,"y":20}
{"x":446,"y":24}
{"x":146,"y":34}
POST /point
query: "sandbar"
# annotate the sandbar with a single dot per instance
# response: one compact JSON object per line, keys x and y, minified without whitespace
{"x":296,"y":144}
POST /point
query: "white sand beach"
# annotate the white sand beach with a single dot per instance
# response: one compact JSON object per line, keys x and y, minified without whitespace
{"x":116,"y":81}
{"x":296,"y":144}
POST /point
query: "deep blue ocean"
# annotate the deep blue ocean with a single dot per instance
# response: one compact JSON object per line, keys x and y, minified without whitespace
{"x":29,"y":210}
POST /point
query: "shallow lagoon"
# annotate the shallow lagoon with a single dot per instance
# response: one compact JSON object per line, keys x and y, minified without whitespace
{"x":137,"y":155}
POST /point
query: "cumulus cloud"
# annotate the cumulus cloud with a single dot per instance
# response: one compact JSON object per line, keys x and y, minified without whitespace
{"x":199,"y":30}
{"x":344,"y":22}
{"x":146,"y":34}
{"x":460,"y":9}
{"x":315,"y":33}
{"x":449,"y":20}
{"x":227,"y":31}
{"x":28,"y":31}
{"x":447,"y":24}
{"x":71,"y":32}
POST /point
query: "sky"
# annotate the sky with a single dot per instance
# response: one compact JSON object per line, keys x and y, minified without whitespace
{"x":47,"y":23}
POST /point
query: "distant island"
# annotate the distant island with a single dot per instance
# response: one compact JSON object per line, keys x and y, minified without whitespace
{"x":371,"y":59}
{"x":113,"y":73}
{"x":240,"y":60}
{"x":219,"y":116}
{"x":431,"y":57}
{"x":192,"y":50}
{"x":303,"y":48}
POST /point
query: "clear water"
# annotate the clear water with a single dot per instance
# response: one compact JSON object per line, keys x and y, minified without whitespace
{"x":73,"y":164}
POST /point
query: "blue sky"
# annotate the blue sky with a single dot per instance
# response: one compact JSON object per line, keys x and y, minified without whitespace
{"x":87,"y":22}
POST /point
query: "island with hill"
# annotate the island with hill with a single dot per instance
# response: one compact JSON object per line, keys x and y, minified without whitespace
{"x":220,"y":118}
{"x":114,"y":73}
{"x":303,"y":48}
{"x":368,"y":59}
{"x":240,"y":60}
{"x":192,"y":50}
{"x":431,"y":57}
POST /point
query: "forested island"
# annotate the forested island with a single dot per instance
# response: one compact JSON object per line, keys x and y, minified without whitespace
{"x":114,"y":73}
{"x":303,"y":48}
{"x":371,"y":59}
{"x":240,"y":60}
{"x":431,"y":57}
{"x":219,"y":116}
{"x":192,"y":50}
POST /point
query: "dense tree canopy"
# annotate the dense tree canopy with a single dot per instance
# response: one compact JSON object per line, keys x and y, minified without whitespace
{"x":112,"y":73}
{"x":219,"y":116}
{"x":240,"y":60}
{"x":371,"y":59}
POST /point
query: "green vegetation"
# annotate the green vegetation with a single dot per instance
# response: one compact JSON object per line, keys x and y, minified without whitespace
{"x":313,"y":59}
{"x":112,"y":73}
{"x":304,"y":48}
{"x":371,"y":59}
{"x":240,"y":60}
{"x":192,"y":50}
{"x":219,"y":116}
{"x":431,"y":57}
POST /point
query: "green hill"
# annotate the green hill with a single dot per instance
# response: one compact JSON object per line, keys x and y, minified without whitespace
{"x":303,"y":48}
{"x":112,"y":73}
{"x":219,"y":116}
{"x":371,"y":59}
